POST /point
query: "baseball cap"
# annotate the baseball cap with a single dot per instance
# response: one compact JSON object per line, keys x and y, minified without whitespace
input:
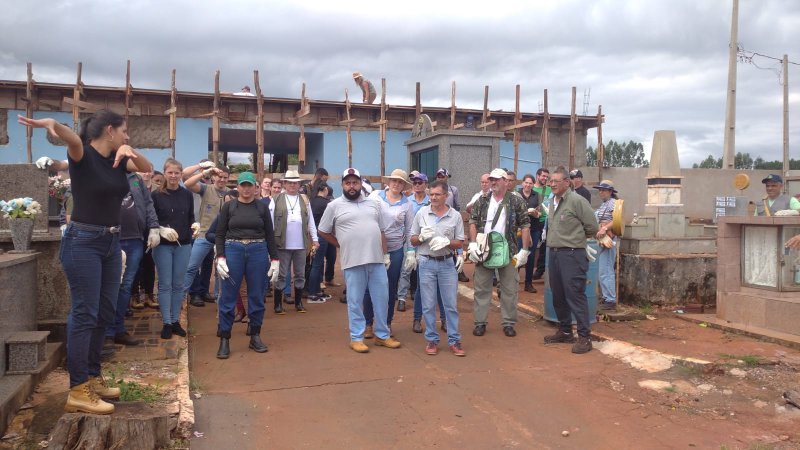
{"x":773,"y":178}
{"x":498,"y":173}
{"x":246,"y":177}
{"x":419,"y":177}
{"x":444,"y":172}
{"x":576,"y":173}
{"x":351,"y":172}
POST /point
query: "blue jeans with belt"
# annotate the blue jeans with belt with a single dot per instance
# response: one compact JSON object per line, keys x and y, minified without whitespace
{"x":92,"y":262}
{"x":245,"y":261}
{"x":134,"y":250}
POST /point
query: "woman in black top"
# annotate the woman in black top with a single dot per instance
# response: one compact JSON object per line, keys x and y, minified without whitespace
{"x":244,"y":234}
{"x":174,"y":207}
{"x":99,"y":160}
{"x":318,"y":205}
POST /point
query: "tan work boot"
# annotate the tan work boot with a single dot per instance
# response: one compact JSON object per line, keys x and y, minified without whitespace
{"x":101,"y":388}
{"x":137,"y":302}
{"x":390,"y":342}
{"x":368,"y":333}
{"x":151,"y":301}
{"x":359,"y":346}
{"x":83,"y":399}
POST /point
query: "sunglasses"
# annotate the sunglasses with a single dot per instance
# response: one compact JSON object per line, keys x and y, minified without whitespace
{"x":418,"y":182}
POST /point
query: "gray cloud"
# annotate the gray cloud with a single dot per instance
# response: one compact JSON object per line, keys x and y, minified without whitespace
{"x":652,"y":65}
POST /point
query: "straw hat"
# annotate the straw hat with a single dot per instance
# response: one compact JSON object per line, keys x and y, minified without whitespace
{"x":291,"y":175}
{"x":357,"y":75}
{"x":398,"y":174}
{"x":606,"y":184}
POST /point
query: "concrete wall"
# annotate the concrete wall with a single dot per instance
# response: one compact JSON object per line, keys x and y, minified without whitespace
{"x":667,"y":280}
{"x":17,"y":303}
{"x":700,"y":187}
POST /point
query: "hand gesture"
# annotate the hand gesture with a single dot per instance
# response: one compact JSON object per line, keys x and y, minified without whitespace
{"x":48,"y":124}
{"x":123,"y":151}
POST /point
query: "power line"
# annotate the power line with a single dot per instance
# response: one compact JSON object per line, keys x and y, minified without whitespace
{"x":746,"y":56}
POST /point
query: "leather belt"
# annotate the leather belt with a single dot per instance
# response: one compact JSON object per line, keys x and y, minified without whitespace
{"x":88,"y":227}
{"x":439,"y":258}
{"x":245,"y":241}
{"x":563,"y":249}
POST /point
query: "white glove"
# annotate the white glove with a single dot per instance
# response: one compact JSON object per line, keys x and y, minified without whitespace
{"x":474,"y":252}
{"x":63,"y":229}
{"x":44,"y":162}
{"x":207,"y":165}
{"x":521,"y":257}
{"x":387,"y":260}
{"x":124,"y":261}
{"x":460,"y":263}
{"x":168,"y":233}
{"x":426,"y":233}
{"x":439,"y":242}
{"x":195,"y":230}
{"x":153,"y":238}
{"x":590,"y":252}
{"x":274,"y":270}
{"x":544,"y":236}
{"x":411,"y":261}
{"x":222,"y":268}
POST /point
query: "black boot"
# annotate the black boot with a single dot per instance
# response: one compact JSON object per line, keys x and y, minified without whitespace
{"x":255,"y":340}
{"x":277,"y":297}
{"x":224,"y":344}
{"x":298,"y":300}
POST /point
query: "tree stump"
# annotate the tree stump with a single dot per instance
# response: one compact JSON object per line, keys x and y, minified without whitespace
{"x":134,"y":425}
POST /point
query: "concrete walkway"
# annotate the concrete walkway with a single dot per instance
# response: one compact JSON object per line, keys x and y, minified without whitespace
{"x":311,"y":391}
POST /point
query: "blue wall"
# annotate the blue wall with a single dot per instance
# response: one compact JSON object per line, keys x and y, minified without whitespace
{"x":527,"y":151}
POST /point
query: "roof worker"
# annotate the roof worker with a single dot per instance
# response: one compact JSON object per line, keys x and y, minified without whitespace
{"x":774,"y":201}
{"x":367,"y":89}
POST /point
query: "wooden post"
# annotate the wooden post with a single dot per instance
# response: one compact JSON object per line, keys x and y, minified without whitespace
{"x":173,"y":114}
{"x":785,"y":118}
{"x":382,"y":129}
{"x":572,"y":133}
{"x":215,"y":121}
{"x":349,"y":122}
{"x":545,"y":133}
{"x":601,"y":151}
{"x":419,"y":103}
{"x":453,"y":106}
{"x":301,"y":152}
{"x":258,"y":165}
{"x":128,"y":90}
{"x":517,"y":117}
{"x":485,"y":122}
{"x":76,"y":97}
{"x":29,"y":112}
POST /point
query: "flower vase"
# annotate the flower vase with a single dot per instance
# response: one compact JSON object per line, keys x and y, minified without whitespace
{"x":21,"y":233}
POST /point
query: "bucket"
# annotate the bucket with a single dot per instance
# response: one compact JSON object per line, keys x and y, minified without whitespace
{"x":592,"y":287}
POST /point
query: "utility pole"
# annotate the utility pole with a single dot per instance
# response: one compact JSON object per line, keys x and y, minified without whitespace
{"x":785,"y":116}
{"x":729,"y":144}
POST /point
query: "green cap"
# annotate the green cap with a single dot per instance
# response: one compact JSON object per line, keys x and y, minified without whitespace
{"x":246,"y":177}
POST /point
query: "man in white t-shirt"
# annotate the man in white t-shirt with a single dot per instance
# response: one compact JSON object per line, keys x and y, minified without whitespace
{"x":295,"y":237}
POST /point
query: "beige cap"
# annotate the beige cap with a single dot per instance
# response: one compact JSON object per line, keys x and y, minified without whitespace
{"x":498,"y":173}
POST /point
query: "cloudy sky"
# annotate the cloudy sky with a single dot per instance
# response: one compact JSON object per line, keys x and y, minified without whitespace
{"x":651,"y":64}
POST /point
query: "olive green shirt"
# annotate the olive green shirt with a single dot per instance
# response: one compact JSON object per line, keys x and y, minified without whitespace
{"x":571,"y":223}
{"x":516,"y":212}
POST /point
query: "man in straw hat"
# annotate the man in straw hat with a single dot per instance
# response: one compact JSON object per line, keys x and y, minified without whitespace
{"x":367,"y":89}
{"x":571,"y":222}
{"x":295,"y":236}
{"x":354,"y":224}
{"x":607,"y":256}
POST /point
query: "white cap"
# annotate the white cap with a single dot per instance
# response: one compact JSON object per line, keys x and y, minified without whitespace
{"x":498,"y":173}
{"x":351,"y":172}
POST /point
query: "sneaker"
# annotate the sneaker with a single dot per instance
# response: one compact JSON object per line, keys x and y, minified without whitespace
{"x":462,"y":277}
{"x":431,"y":348}
{"x":609,"y":306}
{"x":317,"y":299}
{"x":178,"y":329}
{"x":529,"y":288}
{"x":560,"y":337}
{"x":368,"y":333}
{"x":457,"y":349}
{"x":401,"y":305}
{"x":195,"y":300}
{"x":359,"y":346}
{"x":417,"y":326}
{"x":389,"y":342}
{"x":583,"y":345}
{"x":126,"y":339}
{"x":166,"y":331}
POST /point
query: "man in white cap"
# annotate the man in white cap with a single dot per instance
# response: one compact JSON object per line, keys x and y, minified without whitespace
{"x":367,"y":89}
{"x":355,"y":224}
{"x":502,"y":212}
{"x":295,"y":237}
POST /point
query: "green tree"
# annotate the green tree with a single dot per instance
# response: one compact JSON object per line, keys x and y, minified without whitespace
{"x":241,"y":167}
{"x":709,"y":163}
{"x":743,"y":161}
{"x":630,"y":154}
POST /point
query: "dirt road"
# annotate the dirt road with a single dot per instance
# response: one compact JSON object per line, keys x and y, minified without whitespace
{"x":311,"y":391}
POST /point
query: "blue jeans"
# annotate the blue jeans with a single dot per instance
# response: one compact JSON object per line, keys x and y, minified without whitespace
{"x":202,"y":281}
{"x":439,"y":279}
{"x":418,"y":302}
{"x":536,"y":235}
{"x":393,"y":274}
{"x":358,"y":280}
{"x":317,"y":268}
{"x":171,"y":261}
{"x":200,"y":249}
{"x":134,"y":250}
{"x":404,"y":283}
{"x":330,"y":262}
{"x":248,"y":262}
{"x":606,"y":259}
{"x":92,"y":262}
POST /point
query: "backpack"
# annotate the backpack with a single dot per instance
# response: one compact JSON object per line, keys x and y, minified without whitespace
{"x":499,"y":253}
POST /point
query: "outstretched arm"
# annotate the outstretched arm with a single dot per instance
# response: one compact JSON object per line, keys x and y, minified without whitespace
{"x":74,"y":144}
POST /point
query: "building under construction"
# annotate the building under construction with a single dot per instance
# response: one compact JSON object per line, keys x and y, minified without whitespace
{"x":375,"y":138}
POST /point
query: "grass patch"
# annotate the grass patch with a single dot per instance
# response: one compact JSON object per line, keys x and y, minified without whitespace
{"x":131,"y":391}
{"x":646,"y":308}
{"x":670,"y":389}
{"x":749,"y":360}
{"x":178,"y":444}
{"x":194,"y":384}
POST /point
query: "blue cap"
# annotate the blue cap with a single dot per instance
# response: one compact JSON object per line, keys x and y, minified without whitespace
{"x":772,"y":178}
{"x":419,"y":177}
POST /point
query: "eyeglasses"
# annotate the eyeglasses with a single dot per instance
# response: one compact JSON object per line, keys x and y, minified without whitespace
{"x":417,"y":183}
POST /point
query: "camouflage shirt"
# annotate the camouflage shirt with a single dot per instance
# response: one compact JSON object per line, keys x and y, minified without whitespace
{"x":516,"y":216}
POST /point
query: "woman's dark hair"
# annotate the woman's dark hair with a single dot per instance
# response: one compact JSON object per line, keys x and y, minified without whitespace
{"x":321,"y":172}
{"x":155,"y":172}
{"x":93,"y":127}
{"x":322,"y":186}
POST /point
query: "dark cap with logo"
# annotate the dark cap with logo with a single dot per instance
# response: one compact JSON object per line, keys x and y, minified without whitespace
{"x":575,"y":174}
{"x":772,"y":178}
